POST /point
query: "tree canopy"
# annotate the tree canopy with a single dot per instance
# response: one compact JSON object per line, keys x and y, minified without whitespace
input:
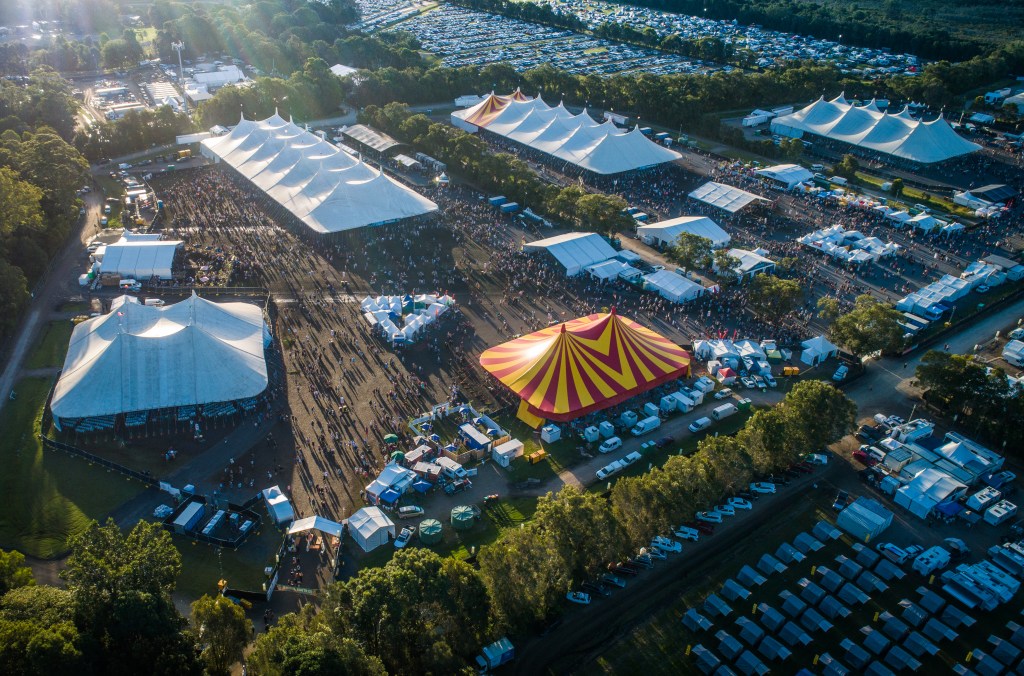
{"x":869,"y":327}
{"x":691,"y":251}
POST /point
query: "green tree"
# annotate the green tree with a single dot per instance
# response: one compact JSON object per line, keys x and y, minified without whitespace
{"x":954,"y":380}
{"x":818,"y":414}
{"x":690,"y":251}
{"x":580,"y":526}
{"x":13,"y":571}
{"x":771,"y":296}
{"x":223,"y":631}
{"x":724,"y":262}
{"x":869,"y":327}
{"x":603,"y":213}
{"x":897,"y":187}
{"x":847,"y":167}
{"x":13,"y":296}
{"x":828,"y":308}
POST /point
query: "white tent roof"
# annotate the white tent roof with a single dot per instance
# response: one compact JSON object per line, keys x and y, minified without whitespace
{"x":898,"y":135}
{"x":316,"y":523}
{"x":139,"y":358}
{"x":790,"y":174}
{"x":672,"y":286}
{"x":370,"y":527}
{"x":724,"y":197}
{"x":325,"y":188}
{"x":132,"y":256}
{"x":609,"y":269}
{"x":601,"y":148}
{"x":279,"y":505}
{"x":342,"y":70}
{"x":819,"y":345}
{"x":668,"y":231}
{"x":575,"y":250}
{"x":749,"y":260}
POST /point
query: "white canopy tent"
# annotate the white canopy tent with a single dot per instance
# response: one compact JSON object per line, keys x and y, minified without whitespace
{"x":672,"y":286}
{"x":848,"y":245}
{"x":278,"y":504}
{"x":750,"y":263}
{"x":609,"y":269}
{"x":316,"y":523}
{"x":139,"y":257}
{"x":725,"y":197}
{"x":817,"y":350}
{"x":928,"y":489}
{"x":141,"y":358}
{"x":325,"y":188}
{"x":370,"y":528}
{"x":601,"y":148}
{"x":865,"y":126}
{"x":665,"y":233}
{"x":787,"y":176}
{"x":574,"y":250}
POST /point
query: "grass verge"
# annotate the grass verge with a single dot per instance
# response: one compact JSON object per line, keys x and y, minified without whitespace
{"x":52,"y":347}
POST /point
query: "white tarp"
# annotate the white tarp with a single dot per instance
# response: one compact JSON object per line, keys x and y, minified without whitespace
{"x":896,"y":134}
{"x":601,"y":148}
{"x":370,"y":528}
{"x":725,"y":197}
{"x":574,"y":250}
{"x":325,"y":188}
{"x":316,"y":523}
{"x":787,"y":175}
{"x":137,"y":258}
{"x":278,"y":504}
{"x":665,"y":233}
{"x":672,"y":286}
{"x":140,"y":358}
{"x":817,"y":350}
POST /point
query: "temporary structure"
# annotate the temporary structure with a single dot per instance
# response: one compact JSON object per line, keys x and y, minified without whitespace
{"x":140,"y":358}
{"x":574,"y":250}
{"x":601,"y":148}
{"x":928,"y":489}
{"x":505,"y":453}
{"x":370,"y":528}
{"x":672,"y":286}
{"x":725,"y":197}
{"x":898,"y":135}
{"x":817,"y":350}
{"x":665,"y":233}
{"x":750,"y":263}
{"x":278,"y":504}
{"x":325,"y":188}
{"x":316,"y":523}
{"x":568,"y":370}
{"x":787,"y":176}
{"x":136,"y":257}
{"x":462,"y":518}
{"x":430,"y":531}
{"x":865,"y":519}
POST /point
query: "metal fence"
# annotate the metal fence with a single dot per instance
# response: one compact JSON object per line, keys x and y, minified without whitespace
{"x":145,"y":477}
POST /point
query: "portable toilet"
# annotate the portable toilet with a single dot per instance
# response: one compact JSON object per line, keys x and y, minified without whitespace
{"x":628,"y":419}
{"x":550,"y":433}
{"x":462,"y":518}
{"x":430,"y":531}
{"x":591,"y":434}
{"x":607,"y":429}
{"x":668,"y":404}
{"x":743,"y":404}
{"x":650,"y":410}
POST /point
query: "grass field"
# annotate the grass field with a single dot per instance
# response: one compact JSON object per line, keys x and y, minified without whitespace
{"x":202,"y":565}
{"x":48,"y":496}
{"x":52,"y":347}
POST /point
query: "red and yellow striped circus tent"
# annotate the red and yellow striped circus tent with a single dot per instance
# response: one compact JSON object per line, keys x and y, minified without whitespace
{"x":587,"y":364}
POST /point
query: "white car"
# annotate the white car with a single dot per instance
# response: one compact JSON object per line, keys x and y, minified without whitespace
{"x":762,"y":487}
{"x":409,"y":512}
{"x":710,"y":517}
{"x":817,"y":458}
{"x":687,"y":533}
{"x":403,"y":538}
{"x":666,"y":545}
{"x":726,"y":509}
{"x":770,"y":379}
{"x":630,"y":458}
{"x":723,"y":393}
{"x":610,"y":444}
{"x":581,"y":598}
{"x":740,"y":503}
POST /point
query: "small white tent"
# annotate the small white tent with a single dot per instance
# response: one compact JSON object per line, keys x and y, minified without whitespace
{"x":278,"y":505}
{"x":817,"y":350}
{"x":370,"y":528}
{"x":672,"y":286}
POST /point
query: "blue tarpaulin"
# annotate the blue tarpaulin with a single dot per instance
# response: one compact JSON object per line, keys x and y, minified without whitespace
{"x":949,"y":508}
{"x":390,"y":496}
{"x":422,"y":486}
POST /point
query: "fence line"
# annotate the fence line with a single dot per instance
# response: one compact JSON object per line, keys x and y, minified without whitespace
{"x":145,"y":477}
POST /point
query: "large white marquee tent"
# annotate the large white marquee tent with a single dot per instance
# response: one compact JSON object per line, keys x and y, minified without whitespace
{"x":665,"y":233}
{"x":672,"y":286}
{"x":141,"y":358}
{"x":327,"y":189}
{"x":725,"y":197}
{"x":138,"y":256}
{"x":574,"y":250}
{"x":370,"y":528}
{"x":896,"y":134}
{"x":601,"y":148}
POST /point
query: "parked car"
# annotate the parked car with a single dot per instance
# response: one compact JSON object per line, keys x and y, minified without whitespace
{"x":666,"y":545}
{"x":748,"y":382}
{"x":726,"y":509}
{"x":760,"y":382}
{"x":581,"y":598}
{"x":762,"y":487}
{"x":841,"y":373}
{"x":458,"y":486}
{"x":770,"y":379}
{"x":699,"y":425}
{"x":740,"y":503}
{"x":608,"y":578}
{"x":653,"y":553}
{"x":409,"y":512}
{"x":686,"y":533}
{"x":863,"y":458}
{"x":841,"y":501}
{"x":702,"y":527}
{"x":723,"y":393}
{"x":664,"y":441}
{"x":403,"y":538}
{"x":610,"y":444}
{"x":898,"y":555}
{"x":817,"y":458}
{"x":711,"y":517}
{"x":596,"y":588}
{"x":868,"y":433}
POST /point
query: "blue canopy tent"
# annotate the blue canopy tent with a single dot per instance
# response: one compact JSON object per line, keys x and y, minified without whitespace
{"x":390,"y":496}
{"x":949,"y":508}
{"x":422,"y":486}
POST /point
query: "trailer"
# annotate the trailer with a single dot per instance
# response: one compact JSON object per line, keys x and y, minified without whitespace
{"x":509,"y":207}
{"x":497,"y":201}
{"x":496,"y":654}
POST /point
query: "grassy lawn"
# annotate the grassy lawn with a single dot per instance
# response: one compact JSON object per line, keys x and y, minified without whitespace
{"x":48,"y":496}
{"x":52,"y":347}
{"x":202,"y":565}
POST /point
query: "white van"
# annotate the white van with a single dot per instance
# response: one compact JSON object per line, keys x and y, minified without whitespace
{"x":154,"y":302}
{"x":723,"y":411}
{"x":610,"y":445}
{"x":450,"y":468}
{"x":646,"y":425}
{"x":699,"y":425}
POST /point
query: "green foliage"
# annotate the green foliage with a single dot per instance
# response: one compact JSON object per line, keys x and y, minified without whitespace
{"x":817,"y":414}
{"x":13,"y":571}
{"x":847,"y":167}
{"x":897,"y":187}
{"x":869,"y":327}
{"x":774,"y":297}
{"x":828,"y":308}
{"x":222,"y":630}
{"x":581,"y":529}
{"x":690,"y":251}
{"x":137,"y":130}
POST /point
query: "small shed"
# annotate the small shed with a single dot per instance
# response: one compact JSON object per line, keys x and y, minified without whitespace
{"x":830,"y":579}
{"x":707,"y":661}
{"x":913,"y":614}
{"x":887,"y":570}
{"x":831,"y":608}
{"x":750,"y":577}
{"x":771,"y":649}
{"x":852,"y":596}
{"x":937,"y":630}
{"x":871,"y":583}
{"x":463,"y":517}
{"x":792,"y":634}
{"x":749,"y":664}
{"x":770,"y":618}
{"x":1002,"y":650}
{"x":770,"y":565}
{"x":728,"y":645}
{"x":813,"y":621}
{"x":787,"y":553}
{"x":810,"y":592}
{"x":823,"y":530}
{"x":919,"y":646}
{"x":715,"y":606}
{"x":792,"y":604}
{"x":855,"y":655}
{"x":931,"y":601}
{"x":807,"y":543}
{"x":734,"y":591}
{"x":894,"y":627}
{"x":750,"y":631}
{"x":848,"y":568}
{"x":430,"y":531}
{"x":866,"y":556}
{"x":694,"y":621}
{"x":956,"y":618}
{"x":505,"y":453}
{"x":832,"y":667}
{"x":874,"y":641}
{"x":900,"y":660}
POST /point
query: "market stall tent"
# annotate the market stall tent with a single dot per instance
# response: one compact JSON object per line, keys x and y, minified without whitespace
{"x":817,"y":350}
{"x":370,"y":527}
{"x":316,"y":523}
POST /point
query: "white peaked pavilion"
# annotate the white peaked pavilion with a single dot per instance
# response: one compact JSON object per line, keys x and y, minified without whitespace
{"x":139,"y":256}
{"x":665,"y":233}
{"x":142,"y":358}
{"x":574,"y":250}
{"x":370,"y":528}
{"x":787,"y":176}
{"x":601,"y":148}
{"x":327,"y":189}
{"x":896,"y":134}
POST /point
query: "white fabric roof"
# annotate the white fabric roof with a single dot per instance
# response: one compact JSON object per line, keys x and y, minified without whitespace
{"x":601,"y":148}
{"x":133,"y":256}
{"x":668,"y":231}
{"x":790,"y":174}
{"x":316,"y":523}
{"x":139,"y":358}
{"x":844,"y":244}
{"x":575,"y":250}
{"x":897,"y":134}
{"x":325,"y":188}
{"x":279,"y":505}
{"x":609,"y":269}
{"x":724,"y":196}
{"x":749,"y":260}
{"x":342,"y":70}
{"x":672,"y":286}
{"x":370,"y":528}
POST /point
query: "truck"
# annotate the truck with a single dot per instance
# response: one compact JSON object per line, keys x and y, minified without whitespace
{"x":616,"y":119}
{"x":497,"y":200}
{"x":723,"y":411}
{"x":646,"y":425}
{"x":496,"y":654}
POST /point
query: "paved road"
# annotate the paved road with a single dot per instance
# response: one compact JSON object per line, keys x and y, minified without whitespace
{"x":586,"y":630}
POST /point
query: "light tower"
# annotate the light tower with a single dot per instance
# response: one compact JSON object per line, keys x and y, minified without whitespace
{"x":178,"y":47}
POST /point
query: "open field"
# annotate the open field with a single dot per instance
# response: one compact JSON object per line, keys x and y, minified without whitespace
{"x":52,"y":347}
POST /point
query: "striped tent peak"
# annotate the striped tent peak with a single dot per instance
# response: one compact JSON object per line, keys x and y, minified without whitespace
{"x":518,"y":95}
{"x":585,"y":364}
{"x":488,"y":109}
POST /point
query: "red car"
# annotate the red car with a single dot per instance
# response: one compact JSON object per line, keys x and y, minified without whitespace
{"x":864,"y":459}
